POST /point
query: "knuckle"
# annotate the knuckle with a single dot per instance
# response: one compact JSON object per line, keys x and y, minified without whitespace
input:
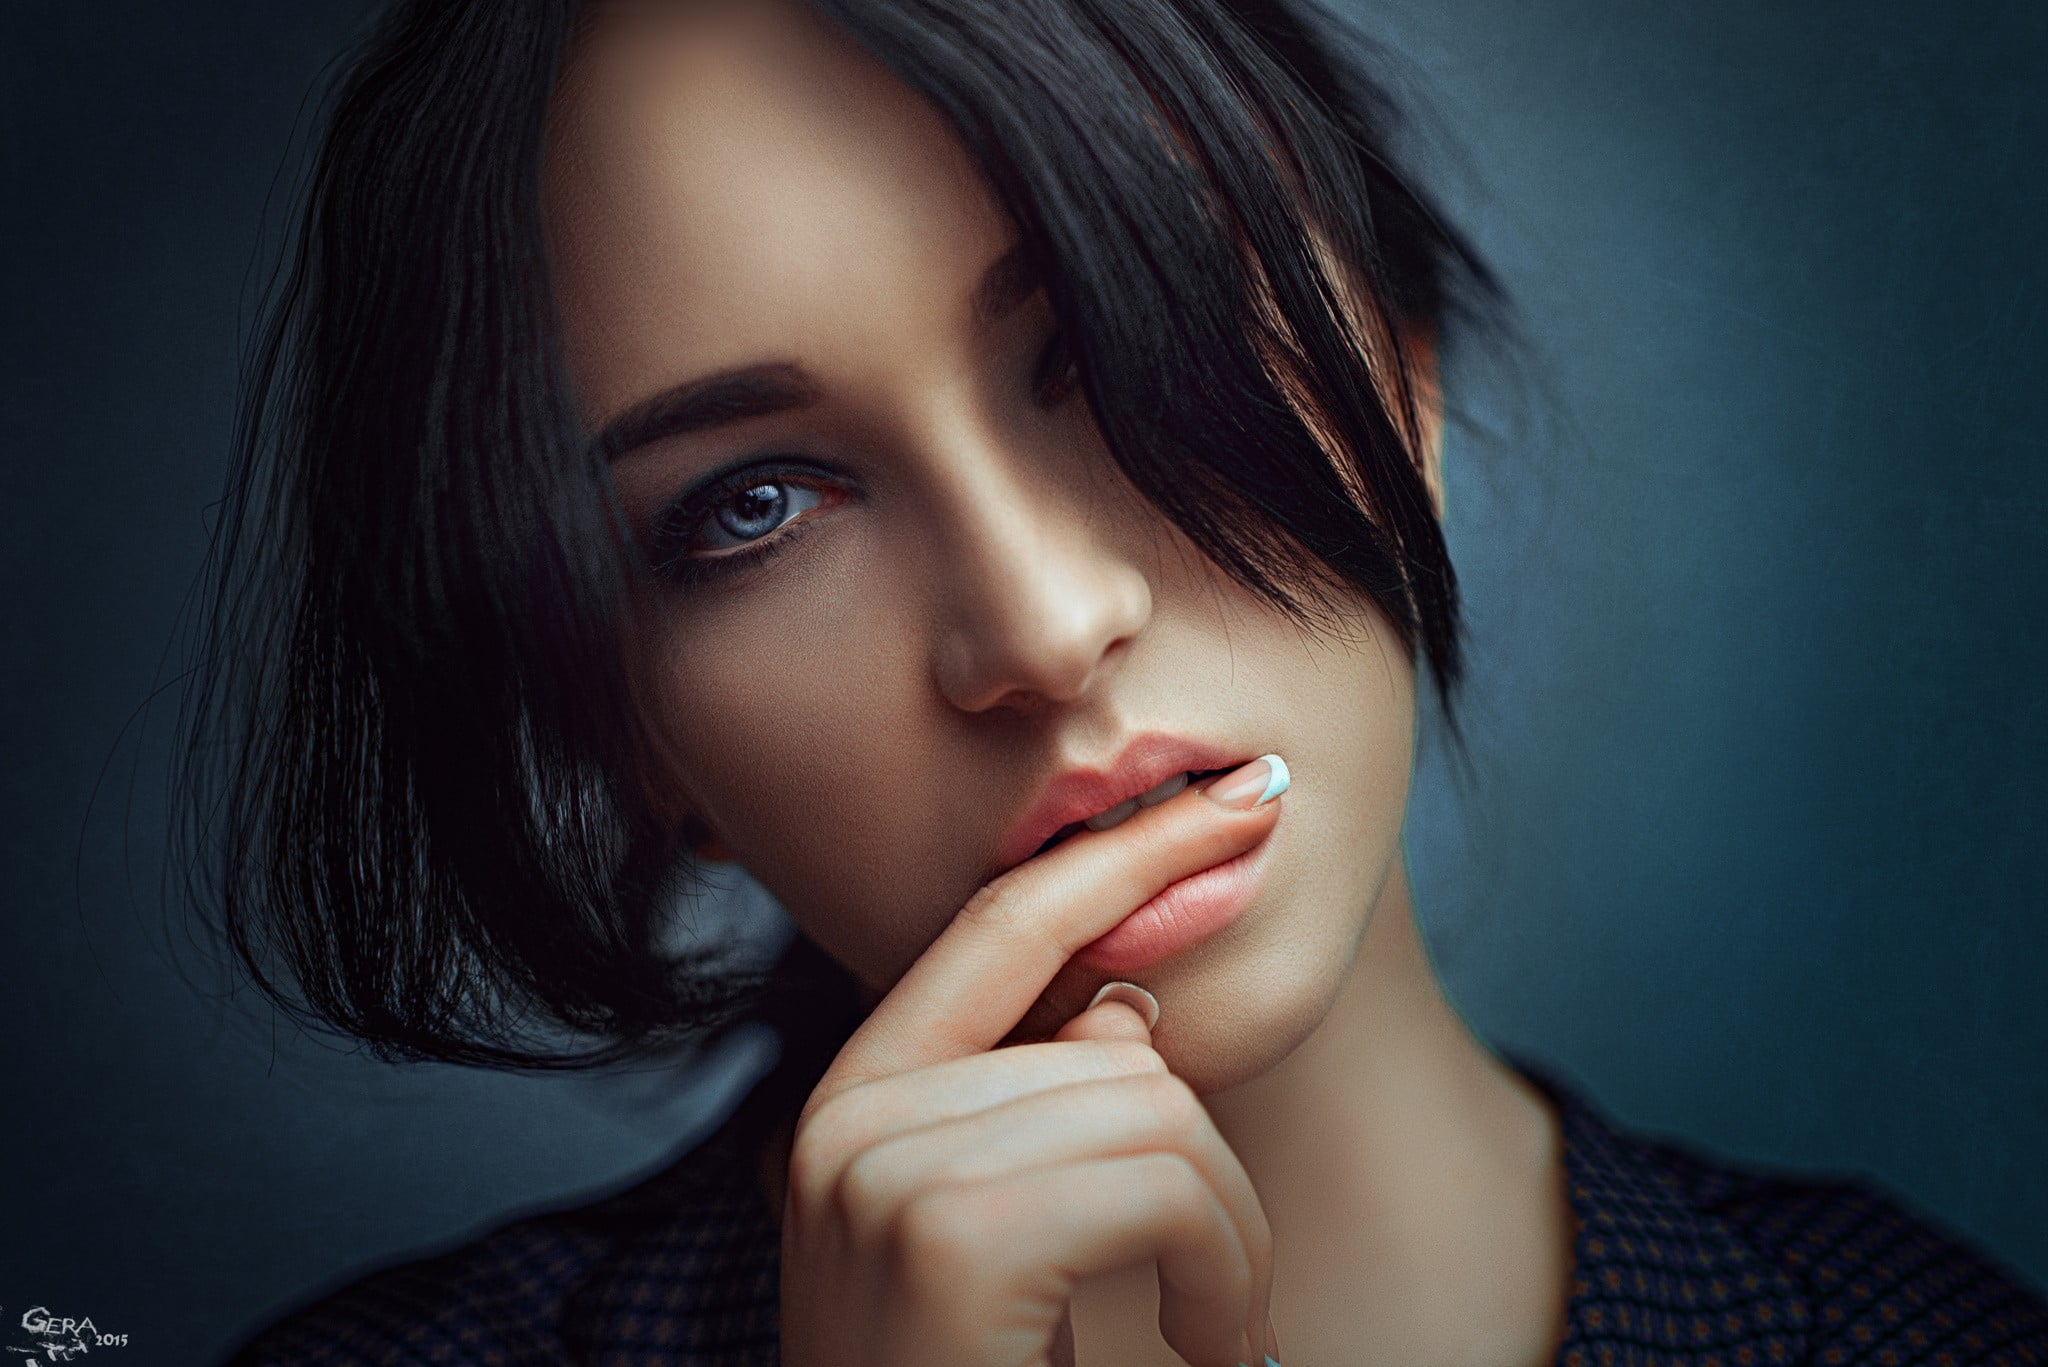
{"x":1183,"y":1197}
{"x":1175,"y":1107}
{"x":811,"y":1170}
{"x":865,"y":1194}
{"x":1008,"y":914}
{"x":1127,"y":1057}
{"x":997,"y":906}
{"x":819,"y":1116}
{"x":827,"y":1140}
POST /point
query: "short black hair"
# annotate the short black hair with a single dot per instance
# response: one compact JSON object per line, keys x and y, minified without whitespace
{"x":414,"y":779}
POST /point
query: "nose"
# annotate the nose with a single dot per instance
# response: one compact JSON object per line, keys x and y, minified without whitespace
{"x":1039,"y":594}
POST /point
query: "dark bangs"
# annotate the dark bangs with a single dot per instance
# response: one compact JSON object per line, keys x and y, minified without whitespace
{"x":1234,"y":256}
{"x":415,"y":793}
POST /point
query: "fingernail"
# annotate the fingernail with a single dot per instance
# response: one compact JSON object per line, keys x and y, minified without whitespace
{"x":1271,"y":1361}
{"x":1272,"y":1344}
{"x":1131,"y":995}
{"x":1264,"y":779}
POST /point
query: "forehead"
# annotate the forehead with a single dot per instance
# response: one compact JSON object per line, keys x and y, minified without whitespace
{"x":733,"y":181}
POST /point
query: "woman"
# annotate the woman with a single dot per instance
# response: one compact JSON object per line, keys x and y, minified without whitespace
{"x":975,"y":465}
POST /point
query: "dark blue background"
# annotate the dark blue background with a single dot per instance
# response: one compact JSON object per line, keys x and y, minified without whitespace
{"x":1755,"y":848}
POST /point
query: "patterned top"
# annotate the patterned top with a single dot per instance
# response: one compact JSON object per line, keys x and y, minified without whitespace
{"x":1682,"y":1261}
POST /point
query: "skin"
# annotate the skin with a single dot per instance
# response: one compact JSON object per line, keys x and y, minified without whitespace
{"x":978,"y":601}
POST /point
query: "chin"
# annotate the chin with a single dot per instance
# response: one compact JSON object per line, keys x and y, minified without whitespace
{"x":1240,"y":1005}
{"x":1240,"y":1020}
{"x":1236,"y":1007}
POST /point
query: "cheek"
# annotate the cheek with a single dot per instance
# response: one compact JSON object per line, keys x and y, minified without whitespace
{"x":806,"y":752}
{"x":1343,"y":714}
{"x":1370,"y":685}
{"x":1367,"y":695}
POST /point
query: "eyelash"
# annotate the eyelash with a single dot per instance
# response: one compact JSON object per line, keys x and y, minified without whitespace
{"x":1053,"y":379}
{"x":678,"y":527}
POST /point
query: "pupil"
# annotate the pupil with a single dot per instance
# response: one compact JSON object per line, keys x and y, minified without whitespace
{"x":763,"y":511}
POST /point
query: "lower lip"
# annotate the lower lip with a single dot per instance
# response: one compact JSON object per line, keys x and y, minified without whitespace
{"x":1181,"y":914}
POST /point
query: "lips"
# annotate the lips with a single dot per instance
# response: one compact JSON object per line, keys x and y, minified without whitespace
{"x":1126,"y":809}
{"x":1144,"y":762}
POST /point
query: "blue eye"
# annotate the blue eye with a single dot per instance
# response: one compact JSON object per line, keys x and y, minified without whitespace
{"x":754,"y":510}
{"x":731,"y":523}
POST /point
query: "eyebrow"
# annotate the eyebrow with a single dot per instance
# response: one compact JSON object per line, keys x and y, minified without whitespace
{"x":757,"y":391}
{"x":730,"y":396}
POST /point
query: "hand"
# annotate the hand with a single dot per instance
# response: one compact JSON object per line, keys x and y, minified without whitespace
{"x":945,"y":1195}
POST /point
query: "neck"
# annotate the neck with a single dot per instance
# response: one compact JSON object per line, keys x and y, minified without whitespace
{"x":1390,"y":1064}
{"x":1392,"y":1139}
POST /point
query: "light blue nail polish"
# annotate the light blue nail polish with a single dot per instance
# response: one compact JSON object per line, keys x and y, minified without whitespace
{"x":1272,"y":1361}
{"x":1277,"y":779}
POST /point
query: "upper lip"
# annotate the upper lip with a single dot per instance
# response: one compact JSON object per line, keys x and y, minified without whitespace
{"x":1144,"y":762}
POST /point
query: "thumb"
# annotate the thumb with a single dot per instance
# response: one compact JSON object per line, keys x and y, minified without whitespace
{"x":1120,"y":1011}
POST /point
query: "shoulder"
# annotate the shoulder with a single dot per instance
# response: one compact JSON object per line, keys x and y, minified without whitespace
{"x":1683,"y":1257}
{"x":1883,"y":1282}
{"x":682,"y":1263}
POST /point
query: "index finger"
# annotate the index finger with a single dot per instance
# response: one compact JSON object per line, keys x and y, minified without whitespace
{"x":973,"y":984}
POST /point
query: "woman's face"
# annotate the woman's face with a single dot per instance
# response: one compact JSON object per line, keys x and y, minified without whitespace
{"x":965,"y":597}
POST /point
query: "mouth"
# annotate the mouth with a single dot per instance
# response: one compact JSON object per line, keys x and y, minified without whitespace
{"x":1125,"y":810}
{"x":1182,"y":914}
{"x":1148,"y":768}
